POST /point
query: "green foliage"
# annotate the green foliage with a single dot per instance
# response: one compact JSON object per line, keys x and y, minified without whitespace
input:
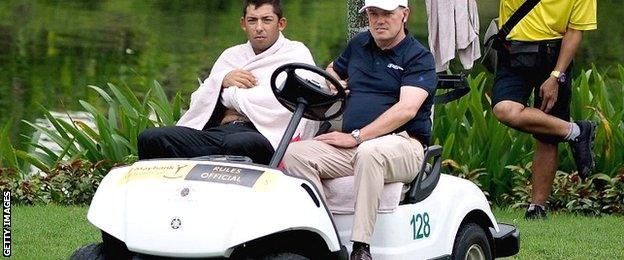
{"x":72,"y":175}
{"x":113,"y":140}
{"x":73,"y":183}
{"x":598,"y":195}
{"x":8,"y":158}
{"x":473,"y":137}
{"x":66,"y":184}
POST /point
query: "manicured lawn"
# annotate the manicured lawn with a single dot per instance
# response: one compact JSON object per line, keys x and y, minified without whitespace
{"x":567,"y":236}
{"x":50,"y":232}
{"x":54,"y":232}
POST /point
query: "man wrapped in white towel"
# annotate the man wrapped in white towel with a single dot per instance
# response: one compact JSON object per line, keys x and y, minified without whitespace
{"x":234,"y":111}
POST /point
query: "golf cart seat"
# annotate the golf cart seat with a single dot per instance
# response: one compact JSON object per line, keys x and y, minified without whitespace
{"x":340,"y":192}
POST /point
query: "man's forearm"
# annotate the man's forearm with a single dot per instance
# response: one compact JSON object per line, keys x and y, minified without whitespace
{"x":569,"y":45}
{"x":389,"y":121}
{"x":399,"y":114}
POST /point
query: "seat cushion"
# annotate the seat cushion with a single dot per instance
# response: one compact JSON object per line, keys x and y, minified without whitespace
{"x":340,"y":195}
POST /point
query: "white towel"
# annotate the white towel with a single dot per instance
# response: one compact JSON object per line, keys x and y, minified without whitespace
{"x":453,"y":27}
{"x":257,"y":103}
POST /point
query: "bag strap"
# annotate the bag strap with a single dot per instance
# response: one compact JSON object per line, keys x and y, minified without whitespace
{"x":458,"y":85}
{"x":515,"y":18}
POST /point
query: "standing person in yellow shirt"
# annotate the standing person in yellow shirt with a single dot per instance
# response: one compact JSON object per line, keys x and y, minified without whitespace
{"x":537,"y":58}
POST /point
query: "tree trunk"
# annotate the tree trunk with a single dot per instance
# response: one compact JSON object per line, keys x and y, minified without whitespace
{"x":356,"y":22}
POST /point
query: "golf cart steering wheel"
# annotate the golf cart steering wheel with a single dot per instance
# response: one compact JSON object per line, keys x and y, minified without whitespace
{"x":319,"y":102}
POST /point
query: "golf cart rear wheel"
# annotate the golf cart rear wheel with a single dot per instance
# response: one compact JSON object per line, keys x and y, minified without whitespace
{"x":471,"y":243}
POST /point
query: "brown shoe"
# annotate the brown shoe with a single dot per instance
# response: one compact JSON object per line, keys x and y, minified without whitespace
{"x":361,"y":251}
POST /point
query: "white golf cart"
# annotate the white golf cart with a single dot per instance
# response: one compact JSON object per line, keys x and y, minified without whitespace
{"x":227,"y":207}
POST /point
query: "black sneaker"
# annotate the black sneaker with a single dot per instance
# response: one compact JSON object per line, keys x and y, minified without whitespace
{"x":361,"y":251}
{"x":535,"y":212}
{"x":582,"y":148}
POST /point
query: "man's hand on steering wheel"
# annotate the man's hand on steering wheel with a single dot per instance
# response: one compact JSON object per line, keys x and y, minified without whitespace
{"x":343,"y":83}
{"x":239,"y":78}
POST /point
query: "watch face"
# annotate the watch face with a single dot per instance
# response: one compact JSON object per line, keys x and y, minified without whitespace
{"x":562,"y":78}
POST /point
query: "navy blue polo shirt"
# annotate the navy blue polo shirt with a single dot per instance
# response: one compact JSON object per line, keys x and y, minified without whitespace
{"x":375,"y":79}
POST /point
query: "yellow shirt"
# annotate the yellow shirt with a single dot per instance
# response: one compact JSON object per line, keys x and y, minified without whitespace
{"x":549,"y":19}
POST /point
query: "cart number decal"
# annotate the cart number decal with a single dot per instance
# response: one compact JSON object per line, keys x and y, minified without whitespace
{"x":420,"y":226}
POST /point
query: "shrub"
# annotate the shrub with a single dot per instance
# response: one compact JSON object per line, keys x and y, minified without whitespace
{"x":72,"y":175}
{"x":67,"y":184}
{"x":473,"y":137}
{"x":113,"y":140}
{"x":598,"y":195}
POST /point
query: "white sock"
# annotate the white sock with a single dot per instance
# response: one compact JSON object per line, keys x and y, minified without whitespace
{"x":533,"y":205}
{"x":575,"y":131}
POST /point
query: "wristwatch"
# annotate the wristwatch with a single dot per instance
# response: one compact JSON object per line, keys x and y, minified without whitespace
{"x":356,"y":136}
{"x":560,"y":76}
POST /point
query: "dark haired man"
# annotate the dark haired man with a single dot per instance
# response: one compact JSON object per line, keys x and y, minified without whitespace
{"x":539,"y":60}
{"x":392,"y":81}
{"x":234,"y":111}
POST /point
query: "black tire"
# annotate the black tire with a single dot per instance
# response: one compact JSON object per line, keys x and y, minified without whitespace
{"x":114,"y":248}
{"x":89,"y":252}
{"x":278,"y":256}
{"x":471,"y":243}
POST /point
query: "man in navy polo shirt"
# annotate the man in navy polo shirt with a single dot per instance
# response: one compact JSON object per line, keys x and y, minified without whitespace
{"x":392,"y":82}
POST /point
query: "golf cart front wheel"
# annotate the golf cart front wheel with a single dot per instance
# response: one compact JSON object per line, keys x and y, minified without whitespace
{"x":471,"y":243}
{"x":91,"y":251}
{"x":279,"y":256}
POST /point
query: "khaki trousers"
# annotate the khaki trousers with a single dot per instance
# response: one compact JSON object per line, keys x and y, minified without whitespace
{"x":386,"y":159}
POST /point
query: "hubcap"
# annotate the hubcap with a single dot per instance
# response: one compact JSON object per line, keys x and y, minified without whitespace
{"x":475,"y":252}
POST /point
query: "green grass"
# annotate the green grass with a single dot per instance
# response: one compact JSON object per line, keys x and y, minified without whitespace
{"x":50,"y":232}
{"x":567,"y":236}
{"x":54,"y":232}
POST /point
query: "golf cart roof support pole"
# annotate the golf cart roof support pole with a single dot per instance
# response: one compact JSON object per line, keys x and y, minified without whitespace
{"x":290,"y":131}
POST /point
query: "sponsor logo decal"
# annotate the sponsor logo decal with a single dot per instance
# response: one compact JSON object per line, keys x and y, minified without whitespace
{"x":156,"y":170}
{"x":256,"y":179}
{"x":394,"y":66}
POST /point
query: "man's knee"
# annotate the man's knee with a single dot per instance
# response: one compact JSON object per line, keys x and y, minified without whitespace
{"x":295,"y":153}
{"x":251,"y":144}
{"x":371,"y":153}
{"x":245,"y":141}
{"x":507,"y":112}
{"x":152,"y":143}
{"x":152,"y":136}
{"x":299,"y":154}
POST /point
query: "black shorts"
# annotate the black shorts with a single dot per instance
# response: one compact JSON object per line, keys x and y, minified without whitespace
{"x":518,"y":83}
